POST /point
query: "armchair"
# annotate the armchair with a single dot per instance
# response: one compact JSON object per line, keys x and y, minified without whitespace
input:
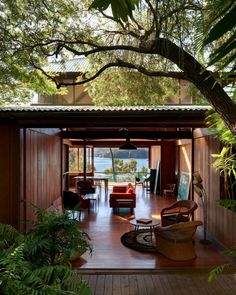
{"x":85,"y":187}
{"x":138,"y":181}
{"x":180,"y":211}
{"x":71,"y":200}
{"x":176,"y":241}
{"x":170,"y":191}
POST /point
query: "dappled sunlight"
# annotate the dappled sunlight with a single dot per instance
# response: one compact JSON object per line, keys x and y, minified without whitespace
{"x":126,"y":217}
{"x":186,"y":154}
{"x":156,"y":216}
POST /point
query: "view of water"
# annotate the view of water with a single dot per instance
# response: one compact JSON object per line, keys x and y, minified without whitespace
{"x":101,"y":164}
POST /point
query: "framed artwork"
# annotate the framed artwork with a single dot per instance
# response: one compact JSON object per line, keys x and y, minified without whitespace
{"x":184,"y":185}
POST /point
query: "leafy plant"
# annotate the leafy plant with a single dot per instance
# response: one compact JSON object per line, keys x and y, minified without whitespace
{"x":121,"y":9}
{"x":19,"y":276}
{"x":52,"y":239}
{"x":223,"y":26}
{"x":37,"y":262}
{"x":216,"y":271}
{"x":228,"y":204}
{"x":225,"y":161}
{"x":219,"y":269}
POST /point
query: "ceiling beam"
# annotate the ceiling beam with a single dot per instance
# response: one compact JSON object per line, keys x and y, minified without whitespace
{"x":115,"y":134}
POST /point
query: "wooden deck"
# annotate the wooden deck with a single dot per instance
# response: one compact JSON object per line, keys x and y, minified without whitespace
{"x":160,"y":284}
{"x":115,"y":269}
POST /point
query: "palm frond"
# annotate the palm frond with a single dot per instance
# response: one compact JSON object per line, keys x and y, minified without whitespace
{"x":216,"y":271}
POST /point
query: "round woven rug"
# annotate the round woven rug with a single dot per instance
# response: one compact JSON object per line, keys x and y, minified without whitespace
{"x":139,"y":240}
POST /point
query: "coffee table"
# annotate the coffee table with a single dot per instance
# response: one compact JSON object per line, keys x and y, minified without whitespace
{"x":150,"y":225}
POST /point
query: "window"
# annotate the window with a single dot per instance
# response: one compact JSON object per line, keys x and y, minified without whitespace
{"x":76,"y":159}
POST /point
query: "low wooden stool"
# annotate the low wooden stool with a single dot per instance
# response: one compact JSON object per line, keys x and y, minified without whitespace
{"x":124,"y":203}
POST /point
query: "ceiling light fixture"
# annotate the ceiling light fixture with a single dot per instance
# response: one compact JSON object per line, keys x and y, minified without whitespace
{"x":127,"y":145}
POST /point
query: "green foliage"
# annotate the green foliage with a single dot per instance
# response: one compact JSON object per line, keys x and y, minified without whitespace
{"x":223,"y":27}
{"x":225,"y":161}
{"x":143,"y":170}
{"x":18,"y":276}
{"x":9,"y":237}
{"x":228,"y":204}
{"x":121,"y":166}
{"x":216,"y":271}
{"x":53,"y":237}
{"x":73,"y":159}
{"x":121,"y":9}
{"x":34,"y":32}
{"x":27,"y":262}
{"x":221,"y":131}
{"x":122,"y":92}
{"x":197,"y":97}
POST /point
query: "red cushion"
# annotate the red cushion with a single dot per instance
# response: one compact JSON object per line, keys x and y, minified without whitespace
{"x":130,"y":191}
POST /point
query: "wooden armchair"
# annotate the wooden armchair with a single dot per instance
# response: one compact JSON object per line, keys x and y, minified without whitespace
{"x":176,"y":241}
{"x":180,"y":211}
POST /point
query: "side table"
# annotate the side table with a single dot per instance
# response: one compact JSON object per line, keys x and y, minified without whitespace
{"x":149,"y":225}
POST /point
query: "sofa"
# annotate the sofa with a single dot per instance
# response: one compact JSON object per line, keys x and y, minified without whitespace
{"x":123,"y":197}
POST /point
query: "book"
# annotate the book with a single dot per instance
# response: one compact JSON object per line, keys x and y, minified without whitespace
{"x":144,"y":220}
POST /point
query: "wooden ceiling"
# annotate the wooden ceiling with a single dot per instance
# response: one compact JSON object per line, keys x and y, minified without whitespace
{"x":104,"y":123}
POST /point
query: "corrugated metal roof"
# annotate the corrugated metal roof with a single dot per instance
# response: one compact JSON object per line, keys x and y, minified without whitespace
{"x":166,"y":108}
{"x":74,"y":65}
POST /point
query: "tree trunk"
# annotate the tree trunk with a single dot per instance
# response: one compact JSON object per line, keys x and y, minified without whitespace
{"x":113,"y":165}
{"x":201,"y":78}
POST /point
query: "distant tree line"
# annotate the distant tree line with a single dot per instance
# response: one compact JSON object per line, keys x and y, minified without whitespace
{"x":141,"y":153}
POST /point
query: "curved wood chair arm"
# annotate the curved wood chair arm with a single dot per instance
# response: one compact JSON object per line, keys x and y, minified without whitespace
{"x":180,"y":205}
{"x":180,"y":211}
{"x":181,"y":225}
{"x":175,"y":205}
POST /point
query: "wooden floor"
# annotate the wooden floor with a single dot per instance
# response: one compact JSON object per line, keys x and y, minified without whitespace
{"x":105,"y":229}
{"x":114,"y":269}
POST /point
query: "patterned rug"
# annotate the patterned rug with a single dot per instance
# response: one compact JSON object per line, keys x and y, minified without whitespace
{"x":139,"y":240}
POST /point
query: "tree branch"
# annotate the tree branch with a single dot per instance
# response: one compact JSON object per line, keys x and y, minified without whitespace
{"x":122,"y":64}
{"x":53,"y":79}
{"x":181,"y":8}
{"x":190,"y":67}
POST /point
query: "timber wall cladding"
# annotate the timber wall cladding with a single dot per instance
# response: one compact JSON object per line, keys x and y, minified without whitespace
{"x":221,"y":222}
{"x":43,"y":176}
{"x":167,"y":164}
{"x":10,"y":174}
